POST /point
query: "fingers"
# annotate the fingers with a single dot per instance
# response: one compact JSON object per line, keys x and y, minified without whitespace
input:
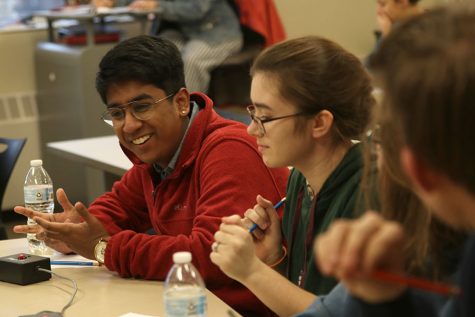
{"x":328,"y":245}
{"x":356,"y":242}
{"x":229,"y":232}
{"x":26,"y":229}
{"x":57,"y":245}
{"x":259,"y":214}
{"x":233,"y":251}
{"x":234,"y":219}
{"x":263,"y":202}
{"x":389,"y":237}
{"x":63,"y":199}
{"x":30,"y":213}
{"x":353,"y":247}
{"x":83,"y":212}
{"x":53,"y":229}
{"x":230,"y":235}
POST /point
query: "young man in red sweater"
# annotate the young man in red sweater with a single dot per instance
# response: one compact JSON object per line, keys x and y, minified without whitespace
{"x":191,"y":168}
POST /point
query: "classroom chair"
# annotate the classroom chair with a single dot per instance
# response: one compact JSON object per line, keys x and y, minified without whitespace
{"x":8,"y":159}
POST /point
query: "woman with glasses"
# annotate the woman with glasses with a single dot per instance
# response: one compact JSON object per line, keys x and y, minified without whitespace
{"x":311,"y":99}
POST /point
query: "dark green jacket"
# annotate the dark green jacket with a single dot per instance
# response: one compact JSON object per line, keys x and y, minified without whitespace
{"x":336,"y":199}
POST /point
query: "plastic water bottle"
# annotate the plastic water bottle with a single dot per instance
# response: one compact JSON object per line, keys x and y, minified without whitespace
{"x":185,"y":293}
{"x":38,"y":190}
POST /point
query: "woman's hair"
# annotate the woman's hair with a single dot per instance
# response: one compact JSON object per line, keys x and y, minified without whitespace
{"x":427,"y":70}
{"x":427,"y":239}
{"x":316,"y":74}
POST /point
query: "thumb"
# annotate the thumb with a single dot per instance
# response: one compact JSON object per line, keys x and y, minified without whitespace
{"x":82,"y":211}
{"x":264,"y":203}
{"x":269,"y":209}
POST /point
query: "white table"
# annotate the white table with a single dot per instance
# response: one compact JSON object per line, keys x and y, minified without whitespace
{"x":101,"y":293}
{"x":103,"y":155}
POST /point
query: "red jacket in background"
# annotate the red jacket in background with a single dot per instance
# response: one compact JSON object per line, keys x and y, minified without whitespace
{"x":262,"y":17}
{"x":219,"y":172}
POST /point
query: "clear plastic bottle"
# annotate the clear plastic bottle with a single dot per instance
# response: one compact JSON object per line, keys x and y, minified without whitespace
{"x":184,"y":294}
{"x":38,"y":191}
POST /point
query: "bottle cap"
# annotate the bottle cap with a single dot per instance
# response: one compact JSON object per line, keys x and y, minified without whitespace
{"x":182,"y":257}
{"x":36,"y":163}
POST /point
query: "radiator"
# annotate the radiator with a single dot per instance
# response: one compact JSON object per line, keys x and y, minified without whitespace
{"x":19,"y":119}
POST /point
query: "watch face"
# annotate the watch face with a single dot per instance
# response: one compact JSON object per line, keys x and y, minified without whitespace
{"x":100,"y":250}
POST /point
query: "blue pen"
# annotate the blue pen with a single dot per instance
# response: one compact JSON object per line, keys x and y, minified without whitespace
{"x":75,"y":263}
{"x":276,"y":206}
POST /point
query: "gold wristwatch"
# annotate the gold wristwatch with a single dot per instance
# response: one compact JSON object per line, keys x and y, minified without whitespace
{"x":100,"y":249}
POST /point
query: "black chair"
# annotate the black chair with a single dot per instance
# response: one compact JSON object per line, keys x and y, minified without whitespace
{"x":8,"y":159}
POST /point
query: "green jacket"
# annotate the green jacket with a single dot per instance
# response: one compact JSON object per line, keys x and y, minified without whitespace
{"x":337,"y":199}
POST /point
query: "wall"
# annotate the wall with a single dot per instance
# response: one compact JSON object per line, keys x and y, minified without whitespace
{"x":348,"y":22}
{"x":16,"y":60}
{"x":16,"y":57}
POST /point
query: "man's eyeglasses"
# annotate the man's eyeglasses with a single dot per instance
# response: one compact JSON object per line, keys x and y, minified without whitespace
{"x":260,"y":122}
{"x":140,"y":109}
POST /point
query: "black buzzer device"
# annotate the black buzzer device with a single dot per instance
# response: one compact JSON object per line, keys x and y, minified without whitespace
{"x":22,"y":269}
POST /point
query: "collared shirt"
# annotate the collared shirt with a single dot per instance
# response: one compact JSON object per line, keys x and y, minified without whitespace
{"x":164,"y":172}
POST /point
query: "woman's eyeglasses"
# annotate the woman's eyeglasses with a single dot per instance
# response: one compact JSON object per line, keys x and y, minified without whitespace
{"x":260,"y":122}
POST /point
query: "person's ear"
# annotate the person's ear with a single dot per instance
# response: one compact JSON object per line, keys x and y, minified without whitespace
{"x":422,"y":176}
{"x":322,"y":123}
{"x":182,"y":102}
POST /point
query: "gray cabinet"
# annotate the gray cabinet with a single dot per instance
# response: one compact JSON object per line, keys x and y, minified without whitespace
{"x":69,"y":108}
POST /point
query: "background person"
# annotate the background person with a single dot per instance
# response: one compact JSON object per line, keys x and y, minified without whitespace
{"x":389,"y":13}
{"x":205,"y":31}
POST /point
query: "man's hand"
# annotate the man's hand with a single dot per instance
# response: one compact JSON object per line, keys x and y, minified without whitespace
{"x":79,"y":237}
{"x":351,"y":250}
{"x":69,"y":216}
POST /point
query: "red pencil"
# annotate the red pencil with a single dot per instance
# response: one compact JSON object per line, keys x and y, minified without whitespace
{"x":415,"y":282}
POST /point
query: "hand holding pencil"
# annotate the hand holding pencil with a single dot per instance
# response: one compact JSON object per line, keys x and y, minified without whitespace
{"x":352,"y":250}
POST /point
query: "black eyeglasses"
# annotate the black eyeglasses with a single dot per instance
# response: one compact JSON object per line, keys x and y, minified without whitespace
{"x":260,"y":122}
{"x":140,"y":109}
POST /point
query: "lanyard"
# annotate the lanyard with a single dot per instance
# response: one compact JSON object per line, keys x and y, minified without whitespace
{"x":308,"y":236}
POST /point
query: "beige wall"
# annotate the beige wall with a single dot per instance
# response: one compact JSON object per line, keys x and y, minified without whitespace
{"x":16,"y":57}
{"x":16,"y":60}
{"x":348,"y":22}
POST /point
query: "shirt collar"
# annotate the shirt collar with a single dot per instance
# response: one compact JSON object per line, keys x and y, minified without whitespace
{"x":165,"y":172}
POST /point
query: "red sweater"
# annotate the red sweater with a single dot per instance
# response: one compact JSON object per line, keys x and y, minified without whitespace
{"x":219,"y":172}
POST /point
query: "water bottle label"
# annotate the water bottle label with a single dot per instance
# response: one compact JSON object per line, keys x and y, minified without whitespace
{"x":38,"y":195}
{"x":186,"y":306}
